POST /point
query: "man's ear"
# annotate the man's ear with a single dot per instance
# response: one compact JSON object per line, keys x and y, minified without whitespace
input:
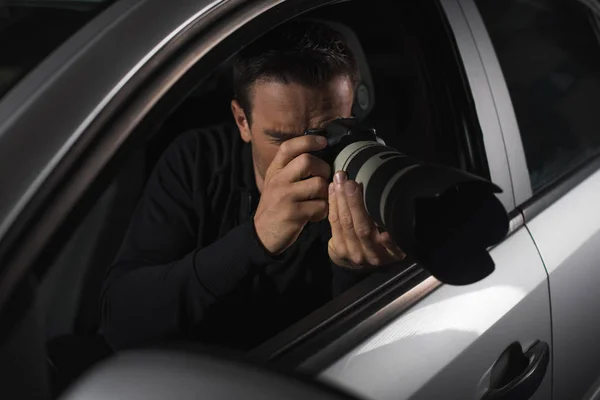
{"x":241,"y":121}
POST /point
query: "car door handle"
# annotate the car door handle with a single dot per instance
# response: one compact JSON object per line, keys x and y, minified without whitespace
{"x":516,"y":375}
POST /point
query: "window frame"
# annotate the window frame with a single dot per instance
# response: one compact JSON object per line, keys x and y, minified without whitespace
{"x":483,"y":99}
{"x":84,"y":173}
{"x":507,"y":119}
{"x":45,"y":226}
{"x":26,"y":213}
{"x":529,"y":203}
{"x":95,"y":8}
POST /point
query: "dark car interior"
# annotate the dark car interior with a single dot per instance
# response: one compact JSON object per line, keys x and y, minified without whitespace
{"x":413,"y":107}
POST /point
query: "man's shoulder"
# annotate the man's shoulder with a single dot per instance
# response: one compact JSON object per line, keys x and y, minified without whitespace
{"x":215,"y":143}
{"x":225,"y":134}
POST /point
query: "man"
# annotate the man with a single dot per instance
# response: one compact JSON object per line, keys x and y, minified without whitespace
{"x":230,"y":242}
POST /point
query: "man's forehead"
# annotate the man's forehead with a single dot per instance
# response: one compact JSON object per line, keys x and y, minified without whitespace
{"x":329,"y":94}
{"x":292,"y":122}
{"x":291,"y":108}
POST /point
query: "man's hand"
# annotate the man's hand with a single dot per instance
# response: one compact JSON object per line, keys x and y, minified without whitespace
{"x":294,"y":193}
{"x":356,"y":243}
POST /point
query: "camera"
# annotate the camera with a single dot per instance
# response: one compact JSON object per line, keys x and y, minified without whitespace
{"x":442,"y":217}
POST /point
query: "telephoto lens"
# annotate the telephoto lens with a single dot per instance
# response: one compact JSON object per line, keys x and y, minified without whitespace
{"x":444,"y":218}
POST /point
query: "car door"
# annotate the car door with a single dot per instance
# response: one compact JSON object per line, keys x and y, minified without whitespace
{"x":70,"y":142}
{"x":452,"y":343}
{"x":459,"y":332}
{"x":55,"y":139}
{"x":549,"y":55}
{"x":162,"y":375}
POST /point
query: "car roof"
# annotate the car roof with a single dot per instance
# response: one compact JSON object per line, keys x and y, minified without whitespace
{"x":46,"y":113}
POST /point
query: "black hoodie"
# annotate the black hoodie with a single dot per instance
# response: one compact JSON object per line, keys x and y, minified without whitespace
{"x":191,"y":265}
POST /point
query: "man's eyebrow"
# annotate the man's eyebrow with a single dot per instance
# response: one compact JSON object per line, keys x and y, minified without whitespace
{"x":275,"y":134}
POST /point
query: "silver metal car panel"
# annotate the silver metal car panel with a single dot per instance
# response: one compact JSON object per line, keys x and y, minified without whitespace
{"x":594,"y":392}
{"x":444,"y":345}
{"x":501,"y":98}
{"x":15,"y":102}
{"x":79,"y":80}
{"x":567,"y":234}
{"x":152,"y":374}
{"x":484,"y":102}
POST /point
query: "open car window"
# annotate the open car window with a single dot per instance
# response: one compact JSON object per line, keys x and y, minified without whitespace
{"x":420,"y":108}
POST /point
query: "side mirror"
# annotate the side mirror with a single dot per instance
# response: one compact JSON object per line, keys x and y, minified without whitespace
{"x":165,"y":375}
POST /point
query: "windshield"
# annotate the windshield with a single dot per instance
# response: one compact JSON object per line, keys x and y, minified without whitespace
{"x":31,"y":30}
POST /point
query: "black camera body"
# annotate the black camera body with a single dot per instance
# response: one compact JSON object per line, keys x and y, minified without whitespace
{"x":340,"y":132}
{"x":443,"y":217}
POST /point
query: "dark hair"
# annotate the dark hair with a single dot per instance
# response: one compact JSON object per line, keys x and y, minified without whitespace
{"x":301,"y":51}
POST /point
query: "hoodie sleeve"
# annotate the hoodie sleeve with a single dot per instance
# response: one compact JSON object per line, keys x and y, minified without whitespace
{"x":161,"y":283}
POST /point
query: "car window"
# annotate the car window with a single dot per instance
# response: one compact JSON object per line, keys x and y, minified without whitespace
{"x":411,"y":123}
{"x":549,"y":54}
{"x":418,"y":110}
{"x":31,"y":30}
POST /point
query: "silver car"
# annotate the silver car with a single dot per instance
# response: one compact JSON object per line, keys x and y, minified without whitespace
{"x":92,"y":90}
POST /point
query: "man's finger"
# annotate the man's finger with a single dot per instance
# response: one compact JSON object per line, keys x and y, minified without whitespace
{"x":309,"y":189}
{"x":386,"y":241}
{"x":292,"y":148}
{"x":313,"y":210}
{"x":304,"y":166}
{"x":364,"y":227}
{"x":353,"y":245}
{"x":337,"y":234}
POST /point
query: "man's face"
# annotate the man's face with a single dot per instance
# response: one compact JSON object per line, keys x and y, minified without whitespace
{"x":282,"y":111}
